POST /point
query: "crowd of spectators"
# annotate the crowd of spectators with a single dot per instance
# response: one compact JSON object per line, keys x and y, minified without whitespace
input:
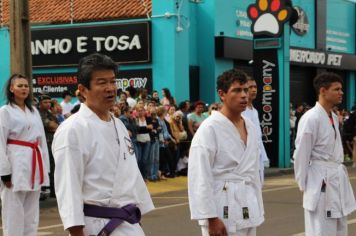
{"x":160,"y":129}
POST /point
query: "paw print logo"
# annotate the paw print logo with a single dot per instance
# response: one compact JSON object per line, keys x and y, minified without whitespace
{"x":268,"y":17}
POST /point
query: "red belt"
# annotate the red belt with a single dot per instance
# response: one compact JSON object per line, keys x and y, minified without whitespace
{"x":36,"y":154}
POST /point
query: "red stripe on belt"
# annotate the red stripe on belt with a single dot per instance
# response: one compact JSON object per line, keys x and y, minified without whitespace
{"x":36,"y":154}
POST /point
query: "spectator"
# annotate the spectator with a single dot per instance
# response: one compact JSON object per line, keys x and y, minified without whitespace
{"x":143,"y":95}
{"x":115,"y":110}
{"x":184,"y":107}
{"x":167,"y":99}
{"x":50,"y":124}
{"x":56,"y":110}
{"x":170,"y":113}
{"x":150,"y":104}
{"x":166,"y":158}
{"x":144,"y":127}
{"x":123,"y":97}
{"x":155,"y":97}
{"x":130,"y":124}
{"x":131,"y":93}
{"x":66,"y":105}
{"x":177,"y":127}
{"x":81,"y":99}
{"x":154,"y":155}
{"x":179,"y":134}
{"x":299,"y":111}
{"x":197,"y":117}
{"x":350,"y":135}
{"x":212,"y":107}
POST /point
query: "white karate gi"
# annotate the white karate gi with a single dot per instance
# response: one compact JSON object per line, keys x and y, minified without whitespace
{"x":93,"y":167}
{"x":223,"y":173}
{"x":20,"y":204}
{"x":252,"y":114}
{"x":318,"y":157}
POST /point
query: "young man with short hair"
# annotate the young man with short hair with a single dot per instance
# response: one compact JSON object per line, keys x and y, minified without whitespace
{"x":321,"y":176}
{"x":252,"y":114}
{"x":223,"y":177}
{"x":99,"y":188}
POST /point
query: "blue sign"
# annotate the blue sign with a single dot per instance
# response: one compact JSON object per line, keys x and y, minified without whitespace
{"x":340,"y":33}
{"x":303,"y":31}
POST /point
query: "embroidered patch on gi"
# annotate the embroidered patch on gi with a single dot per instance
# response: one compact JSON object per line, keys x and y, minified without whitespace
{"x":226,"y":212}
{"x":245,"y":213}
{"x":328,"y":214}
{"x":129,"y":145}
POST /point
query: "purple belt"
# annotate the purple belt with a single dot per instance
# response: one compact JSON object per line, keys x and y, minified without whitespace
{"x":117,"y":216}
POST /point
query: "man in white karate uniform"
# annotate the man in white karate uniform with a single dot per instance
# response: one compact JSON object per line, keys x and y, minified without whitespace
{"x":252,"y":114}
{"x":321,"y":176}
{"x":99,"y":188}
{"x":223,"y":177}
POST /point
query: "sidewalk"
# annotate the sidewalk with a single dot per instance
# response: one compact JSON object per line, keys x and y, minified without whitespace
{"x":176,"y":184}
{"x":180,"y":183}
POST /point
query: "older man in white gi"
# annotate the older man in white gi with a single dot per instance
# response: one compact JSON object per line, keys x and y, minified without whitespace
{"x":99,"y":188}
{"x":252,"y":114}
{"x":319,"y":172}
{"x":223,"y":176}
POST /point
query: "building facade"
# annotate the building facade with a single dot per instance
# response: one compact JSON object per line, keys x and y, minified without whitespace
{"x":181,"y":44}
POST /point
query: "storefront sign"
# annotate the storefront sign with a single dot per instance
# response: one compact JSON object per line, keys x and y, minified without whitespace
{"x":268,"y":18}
{"x":124,"y":43}
{"x":56,"y":84}
{"x":135,"y":78}
{"x":239,"y":49}
{"x":341,"y":30}
{"x":316,"y":58}
{"x":266,"y":76}
{"x":301,"y":27}
{"x":243,"y":24}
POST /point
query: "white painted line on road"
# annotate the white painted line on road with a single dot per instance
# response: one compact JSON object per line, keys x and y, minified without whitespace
{"x":170,"y":197}
{"x":290,"y":187}
{"x":50,"y":227}
{"x":278,"y":189}
{"x":349,"y":222}
{"x":44,"y":233}
{"x":171,"y":206}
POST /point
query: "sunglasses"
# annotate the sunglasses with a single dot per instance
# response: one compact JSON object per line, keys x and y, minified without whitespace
{"x":214,"y":108}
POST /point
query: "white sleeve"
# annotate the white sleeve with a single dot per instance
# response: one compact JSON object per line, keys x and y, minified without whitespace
{"x":5,"y":166}
{"x":200,"y":183}
{"x":303,"y":149}
{"x":68,"y":177}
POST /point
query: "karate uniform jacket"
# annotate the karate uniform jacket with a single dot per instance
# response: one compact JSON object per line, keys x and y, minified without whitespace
{"x":223,"y":175}
{"x":17,"y":160}
{"x":318,"y":157}
{"x":88,"y":170}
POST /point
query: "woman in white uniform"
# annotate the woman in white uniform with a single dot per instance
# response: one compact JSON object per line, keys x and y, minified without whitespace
{"x":24,"y":161}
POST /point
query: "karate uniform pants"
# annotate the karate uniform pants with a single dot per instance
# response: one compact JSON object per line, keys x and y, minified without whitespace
{"x":242,"y":232}
{"x":20,"y":212}
{"x":317,"y":224}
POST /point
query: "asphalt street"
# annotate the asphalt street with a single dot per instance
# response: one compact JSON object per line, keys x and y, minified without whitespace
{"x":282,"y":200}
